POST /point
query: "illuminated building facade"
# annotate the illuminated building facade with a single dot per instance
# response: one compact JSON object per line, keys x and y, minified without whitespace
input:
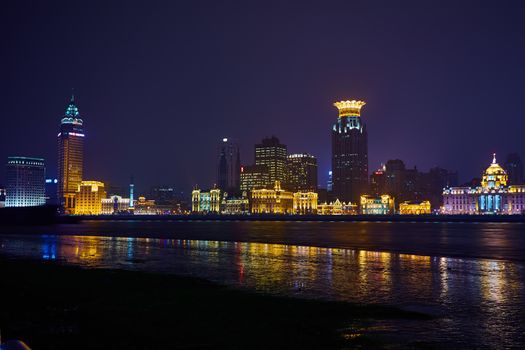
{"x":349,"y":152}
{"x":301,"y":172}
{"x":229,"y":166}
{"x":204,"y":202}
{"x":254,"y":177}
{"x":305,"y":203}
{"x":235,"y":205}
{"x":371,"y":205}
{"x":2,"y":197}
{"x":350,"y":209}
{"x":272,"y":154}
{"x":145,"y":206}
{"x":337,"y":208}
{"x":410,"y":208}
{"x":275,"y":201}
{"x":88,"y":198}
{"x":116,"y":205}
{"x":332,"y":208}
{"x":25,"y":182}
{"x":493,"y":196}
{"x":70,"y":156}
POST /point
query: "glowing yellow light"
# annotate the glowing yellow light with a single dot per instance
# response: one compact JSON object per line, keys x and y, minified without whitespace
{"x":349,"y":108}
{"x":408,"y":208}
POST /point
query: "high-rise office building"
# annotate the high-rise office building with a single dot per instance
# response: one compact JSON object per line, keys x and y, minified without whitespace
{"x":254,"y":177}
{"x":377,"y":181}
{"x":70,"y":156}
{"x":301,"y":172}
{"x":271,"y":153}
{"x":349,"y":152}
{"x":514,"y":168}
{"x":395,"y":179}
{"x":228,"y":165}
{"x":26,"y":179}
{"x":88,"y":198}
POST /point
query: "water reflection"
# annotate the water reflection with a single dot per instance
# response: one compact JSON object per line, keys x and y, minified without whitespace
{"x":479,"y":302}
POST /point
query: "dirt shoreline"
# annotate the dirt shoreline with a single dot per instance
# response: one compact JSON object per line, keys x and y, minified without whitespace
{"x":53,"y":306}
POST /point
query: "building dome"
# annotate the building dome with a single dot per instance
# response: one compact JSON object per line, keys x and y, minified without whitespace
{"x":495,"y":176}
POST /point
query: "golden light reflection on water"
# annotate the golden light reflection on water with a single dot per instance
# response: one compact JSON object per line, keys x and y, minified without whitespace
{"x":343,"y":274}
{"x":474,"y":294}
{"x":333,"y":272}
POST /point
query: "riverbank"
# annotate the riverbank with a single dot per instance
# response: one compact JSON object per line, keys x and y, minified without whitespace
{"x":52,"y":306}
{"x":307,"y":218}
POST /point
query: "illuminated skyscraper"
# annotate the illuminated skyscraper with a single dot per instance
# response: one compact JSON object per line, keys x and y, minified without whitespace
{"x":272,"y":153}
{"x":25,"y":182}
{"x":229,"y":166}
{"x":301,"y":172}
{"x":349,"y":152}
{"x":70,"y":156}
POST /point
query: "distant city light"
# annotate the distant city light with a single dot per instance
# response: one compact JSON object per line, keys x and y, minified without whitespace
{"x":225,"y":139}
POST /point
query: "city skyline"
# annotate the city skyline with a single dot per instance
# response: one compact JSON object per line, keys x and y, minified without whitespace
{"x":419,"y":113}
{"x":72,"y":111}
{"x":330,"y":174}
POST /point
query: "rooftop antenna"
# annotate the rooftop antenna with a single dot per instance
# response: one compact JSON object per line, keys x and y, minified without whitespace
{"x":72,"y":94}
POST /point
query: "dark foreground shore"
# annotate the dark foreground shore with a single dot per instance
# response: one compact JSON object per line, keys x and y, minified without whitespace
{"x":52,"y":306}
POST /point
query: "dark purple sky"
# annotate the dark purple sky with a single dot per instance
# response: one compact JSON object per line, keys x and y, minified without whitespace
{"x":158,"y":85}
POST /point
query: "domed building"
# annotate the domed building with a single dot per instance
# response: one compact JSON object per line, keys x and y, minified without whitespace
{"x":495,"y":176}
{"x":494,"y":196}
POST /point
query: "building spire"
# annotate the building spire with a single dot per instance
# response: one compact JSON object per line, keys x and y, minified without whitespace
{"x":494,"y":158}
{"x":72,"y":94}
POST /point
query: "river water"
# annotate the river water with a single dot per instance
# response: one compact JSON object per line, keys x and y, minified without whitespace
{"x":470,"y":277}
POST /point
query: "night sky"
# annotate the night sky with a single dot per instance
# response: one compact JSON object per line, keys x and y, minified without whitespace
{"x":159,"y":84}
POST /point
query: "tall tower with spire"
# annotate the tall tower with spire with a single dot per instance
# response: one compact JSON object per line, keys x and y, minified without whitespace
{"x":70,"y":156}
{"x":349,"y":152}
